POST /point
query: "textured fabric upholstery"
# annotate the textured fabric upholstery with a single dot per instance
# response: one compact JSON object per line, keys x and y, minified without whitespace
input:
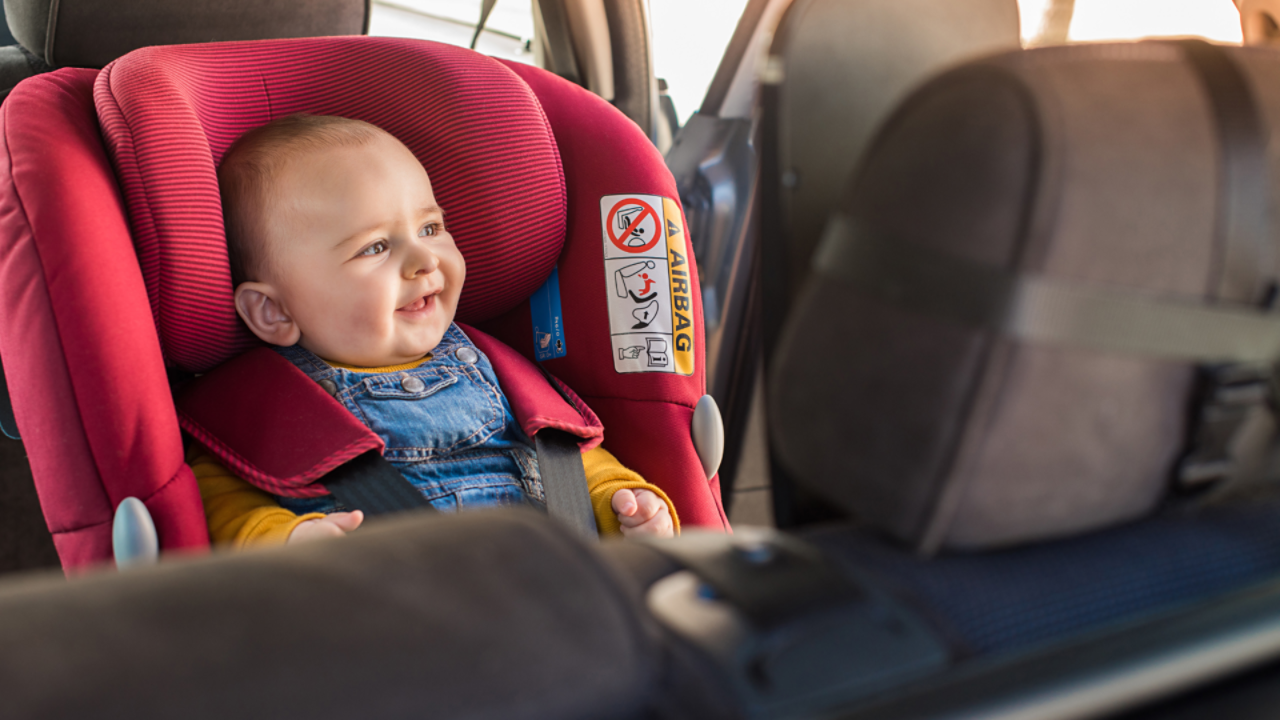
{"x":646,"y":416}
{"x":14,"y":68}
{"x":87,"y":33}
{"x":474,"y":125}
{"x":498,"y":614}
{"x":1014,"y":599}
{"x":79,"y":346}
{"x":875,"y":52}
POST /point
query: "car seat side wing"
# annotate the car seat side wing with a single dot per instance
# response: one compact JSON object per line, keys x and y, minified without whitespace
{"x":649,"y":414}
{"x":97,"y":421}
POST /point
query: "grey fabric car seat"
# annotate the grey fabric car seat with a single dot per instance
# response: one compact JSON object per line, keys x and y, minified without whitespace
{"x":1018,"y":329}
{"x":836,"y":69}
{"x":50,"y":34}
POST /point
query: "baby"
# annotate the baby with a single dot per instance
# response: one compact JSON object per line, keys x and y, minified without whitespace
{"x":340,"y":258}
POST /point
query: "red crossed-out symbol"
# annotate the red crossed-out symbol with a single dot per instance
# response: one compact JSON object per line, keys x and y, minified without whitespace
{"x":646,"y":211}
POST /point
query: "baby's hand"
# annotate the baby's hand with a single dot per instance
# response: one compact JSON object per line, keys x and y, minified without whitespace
{"x":334,"y":525}
{"x":642,"y":512}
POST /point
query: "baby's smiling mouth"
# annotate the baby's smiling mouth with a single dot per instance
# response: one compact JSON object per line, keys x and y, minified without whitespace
{"x":422,"y":304}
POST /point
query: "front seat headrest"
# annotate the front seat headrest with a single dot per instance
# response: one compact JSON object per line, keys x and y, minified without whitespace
{"x":88,"y":33}
{"x":993,"y":343}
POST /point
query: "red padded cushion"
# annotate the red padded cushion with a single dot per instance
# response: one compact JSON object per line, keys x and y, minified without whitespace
{"x":272,"y":425}
{"x":538,"y":401}
{"x":82,"y":361}
{"x":169,"y":113}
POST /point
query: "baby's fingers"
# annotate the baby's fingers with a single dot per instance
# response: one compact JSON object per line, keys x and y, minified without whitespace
{"x":624,"y":503}
{"x":660,"y":525}
{"x":317,"y":529}
{"x":650,"y":505}
{"x":347,"y":521}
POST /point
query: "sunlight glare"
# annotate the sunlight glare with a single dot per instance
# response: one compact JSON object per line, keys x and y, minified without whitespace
{"x":1098,"y":20}
{"x":689,"y":39}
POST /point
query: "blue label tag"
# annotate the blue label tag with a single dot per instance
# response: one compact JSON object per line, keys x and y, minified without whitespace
{"x":548,"y":323}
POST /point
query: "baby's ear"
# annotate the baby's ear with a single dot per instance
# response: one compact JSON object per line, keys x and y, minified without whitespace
{"x":259,"y":306}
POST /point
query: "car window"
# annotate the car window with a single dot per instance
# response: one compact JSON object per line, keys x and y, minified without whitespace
{"x":508,"y":33}
{"x":688,"y":40}
{"x":1100,"y":20}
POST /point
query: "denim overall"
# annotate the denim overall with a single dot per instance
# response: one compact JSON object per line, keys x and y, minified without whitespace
{"x":446,"y":424}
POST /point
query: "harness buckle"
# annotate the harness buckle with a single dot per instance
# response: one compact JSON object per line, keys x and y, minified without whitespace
{"x":1227,"y":399}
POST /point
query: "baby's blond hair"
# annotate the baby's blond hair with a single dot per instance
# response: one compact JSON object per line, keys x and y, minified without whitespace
{"x":247,"y":173}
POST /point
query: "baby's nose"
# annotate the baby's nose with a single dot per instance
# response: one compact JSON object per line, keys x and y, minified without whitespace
{"x":422,"y":263}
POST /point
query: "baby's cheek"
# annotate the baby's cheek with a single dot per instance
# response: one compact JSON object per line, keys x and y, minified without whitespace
{"x":366,"y":320}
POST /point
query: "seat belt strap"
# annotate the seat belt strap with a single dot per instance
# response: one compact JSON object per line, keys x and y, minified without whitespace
{"x":486,"y":7}
{"x":551,"y":23}
{"x":370,"y":483}
{"x":1225,"y":446}
{"x":564,"y":481}
{"x":1245,"y":254}
{"x":1043,"y":310}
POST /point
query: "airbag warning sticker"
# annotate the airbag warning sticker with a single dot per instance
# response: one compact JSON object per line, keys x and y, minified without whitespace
{"x":646,"y":267}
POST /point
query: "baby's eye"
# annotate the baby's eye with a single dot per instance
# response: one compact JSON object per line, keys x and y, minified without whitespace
{"x":429,"y":229}
{"x":375,"y":249}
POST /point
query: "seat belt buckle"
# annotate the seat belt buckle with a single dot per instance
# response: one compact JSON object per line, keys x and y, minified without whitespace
{"x":1226,"y":399}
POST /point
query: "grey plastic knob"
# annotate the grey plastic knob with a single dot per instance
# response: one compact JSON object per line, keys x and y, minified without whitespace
{"x":133,"y":535}
{"x":708,"y":434}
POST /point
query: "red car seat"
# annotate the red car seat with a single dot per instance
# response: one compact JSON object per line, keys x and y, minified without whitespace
{"x":113,"y":264}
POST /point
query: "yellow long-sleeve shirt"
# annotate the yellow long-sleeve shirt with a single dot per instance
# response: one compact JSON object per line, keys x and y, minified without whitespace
{"x":241,"y":515}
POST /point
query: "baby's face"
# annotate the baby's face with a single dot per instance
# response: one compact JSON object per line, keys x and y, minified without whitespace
{"x":359,"y":254}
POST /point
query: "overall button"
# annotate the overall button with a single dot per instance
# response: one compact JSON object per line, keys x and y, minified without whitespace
{"x":412,"y":384}
{"x":329,"y":386}
{"x":467,"y":355}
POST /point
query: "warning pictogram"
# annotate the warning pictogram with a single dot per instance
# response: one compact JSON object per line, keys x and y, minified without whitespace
{"x":649,"y":284}
{"x":633,"y":225}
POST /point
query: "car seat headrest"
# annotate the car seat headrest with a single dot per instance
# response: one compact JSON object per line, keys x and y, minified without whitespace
{"x":908,"y":392}
{"x":169,"y":113}
{"x":87,"y":33}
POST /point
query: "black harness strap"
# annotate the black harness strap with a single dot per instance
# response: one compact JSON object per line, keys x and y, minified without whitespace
{"x":564,"y":481}
{"x":370,"y":483}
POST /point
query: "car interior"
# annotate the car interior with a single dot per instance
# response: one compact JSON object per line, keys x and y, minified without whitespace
{"x":972,"y":411}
